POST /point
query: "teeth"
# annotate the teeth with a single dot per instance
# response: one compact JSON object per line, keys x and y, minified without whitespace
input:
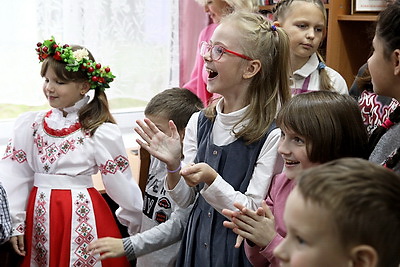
{"x":211,"y":73}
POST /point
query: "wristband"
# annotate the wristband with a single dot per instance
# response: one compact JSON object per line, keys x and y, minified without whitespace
{"x":176,"y":170}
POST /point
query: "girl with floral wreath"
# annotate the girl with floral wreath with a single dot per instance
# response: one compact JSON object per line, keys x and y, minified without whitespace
{"x":51,"y":158}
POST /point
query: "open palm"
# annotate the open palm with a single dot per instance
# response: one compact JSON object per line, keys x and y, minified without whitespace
{"x":163,"y":147}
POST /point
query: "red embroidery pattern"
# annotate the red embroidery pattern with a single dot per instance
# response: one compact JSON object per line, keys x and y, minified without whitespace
{"x":40,"y":144}
{"x":20,"y":228}
{"x":39,"y":228}
{"x":50,"y":153}
{"x":60,"y":132}
{"x":84,"y":231}
{"x":372,"y":111}
{"x":17,"y":155}
{"x":9,"y":149}
{"x":67,"y":145}
{"x":112,"y":166}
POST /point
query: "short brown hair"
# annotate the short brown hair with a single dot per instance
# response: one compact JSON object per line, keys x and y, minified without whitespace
{"x":364,"y":200}
{"x":176,"y":104}
{"x":330,"y":122}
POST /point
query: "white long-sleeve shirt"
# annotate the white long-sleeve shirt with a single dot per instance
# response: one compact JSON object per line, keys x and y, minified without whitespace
{"x":220,"y":194}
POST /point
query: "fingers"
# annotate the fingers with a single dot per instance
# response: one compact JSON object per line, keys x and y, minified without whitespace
{"x":261,"y":212}
{"x":267,"y":210}
{"x":189,"y":169}
{"x":229,"y":213}
{"x":18,"y":244}
{"x":148,"y":126}
{"x":253,"y":215}
{"x":239,"y":206}
{"x":239,"y":240}
{"x":21,"y":244}
{"x":107,"y":247}
{"x":229,"y":225}
{"x":145,"y":135}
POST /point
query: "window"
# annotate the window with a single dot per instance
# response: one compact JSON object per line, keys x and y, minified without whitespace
{"x":137,"y":39}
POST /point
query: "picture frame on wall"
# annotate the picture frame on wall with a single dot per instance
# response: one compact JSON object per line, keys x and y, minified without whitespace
{"x":367,"y":5}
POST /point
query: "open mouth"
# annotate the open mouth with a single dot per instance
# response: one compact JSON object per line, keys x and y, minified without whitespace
{"x":212,"y":74}
{"x":291,"y":162}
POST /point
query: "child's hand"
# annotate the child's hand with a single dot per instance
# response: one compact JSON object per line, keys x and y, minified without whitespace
{"x":165,"y":148}
{"x":230,"y":213}
{"x":18,"y":244}
{"x":197,"y":173}
{"x":257,"y":226}
{"x":110,"y":246}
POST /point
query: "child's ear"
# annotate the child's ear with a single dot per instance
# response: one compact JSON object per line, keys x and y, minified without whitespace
{"x":252,"y":68}
{"x":85,"y":87}
{"x":364,"y":256}
{"x":396,"y":62}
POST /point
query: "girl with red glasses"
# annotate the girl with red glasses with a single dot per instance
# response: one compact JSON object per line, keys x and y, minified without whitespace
{"x":230,"y":148}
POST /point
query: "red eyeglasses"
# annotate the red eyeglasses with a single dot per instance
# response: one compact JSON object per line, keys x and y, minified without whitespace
{"x":217,"y":51}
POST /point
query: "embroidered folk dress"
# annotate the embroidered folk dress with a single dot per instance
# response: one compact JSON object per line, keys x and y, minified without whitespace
{"x":51,"y":160}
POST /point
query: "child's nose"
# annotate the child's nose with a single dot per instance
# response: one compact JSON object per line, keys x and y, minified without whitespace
{"x":310,"y":34}
{"x":207,"y":55}
{"x":49,"y":88}
{"x":282,"y":148}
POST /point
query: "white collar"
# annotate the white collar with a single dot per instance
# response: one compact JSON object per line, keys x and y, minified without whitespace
{"x":308,"y":68}
{"x":57,"y":120}
{"x":228,"y":120}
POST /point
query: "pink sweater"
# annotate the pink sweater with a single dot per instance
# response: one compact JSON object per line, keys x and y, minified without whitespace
{"x":198,"y":81}
{"x":276,"y":200}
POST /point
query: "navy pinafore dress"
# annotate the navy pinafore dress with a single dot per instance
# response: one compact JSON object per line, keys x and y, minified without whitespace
{"x":206,"y":242}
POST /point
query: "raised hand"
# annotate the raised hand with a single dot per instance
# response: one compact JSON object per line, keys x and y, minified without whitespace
{"x":166,"y":148}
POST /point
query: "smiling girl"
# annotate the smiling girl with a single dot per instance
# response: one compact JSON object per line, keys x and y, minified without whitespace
{"x":49,"y":162}
{"x":216,"y":9}
{"x":231,"y":147}
{"x":316,"y":127}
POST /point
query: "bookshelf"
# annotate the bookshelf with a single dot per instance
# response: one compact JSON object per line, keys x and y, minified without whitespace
{"x":349,"y":39}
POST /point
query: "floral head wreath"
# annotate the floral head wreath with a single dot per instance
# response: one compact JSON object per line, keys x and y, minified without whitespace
{"x":98,"y":76}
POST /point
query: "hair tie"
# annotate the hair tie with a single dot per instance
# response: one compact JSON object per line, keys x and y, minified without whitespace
{"x":387,"y":124}
{"x":176,"y":170}
{"x":273,"y":27}
{"x":321,"y":65}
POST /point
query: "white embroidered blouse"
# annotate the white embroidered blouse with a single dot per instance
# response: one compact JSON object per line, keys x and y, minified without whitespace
{"x":49,"y":143}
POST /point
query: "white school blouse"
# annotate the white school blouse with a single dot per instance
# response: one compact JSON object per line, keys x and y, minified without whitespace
{"x":311,"y":68}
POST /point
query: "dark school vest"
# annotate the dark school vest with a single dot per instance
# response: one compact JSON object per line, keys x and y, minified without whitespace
{"x":206,"y":242}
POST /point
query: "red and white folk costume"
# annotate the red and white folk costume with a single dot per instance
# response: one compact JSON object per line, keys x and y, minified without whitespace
{"x":53,"y":159}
